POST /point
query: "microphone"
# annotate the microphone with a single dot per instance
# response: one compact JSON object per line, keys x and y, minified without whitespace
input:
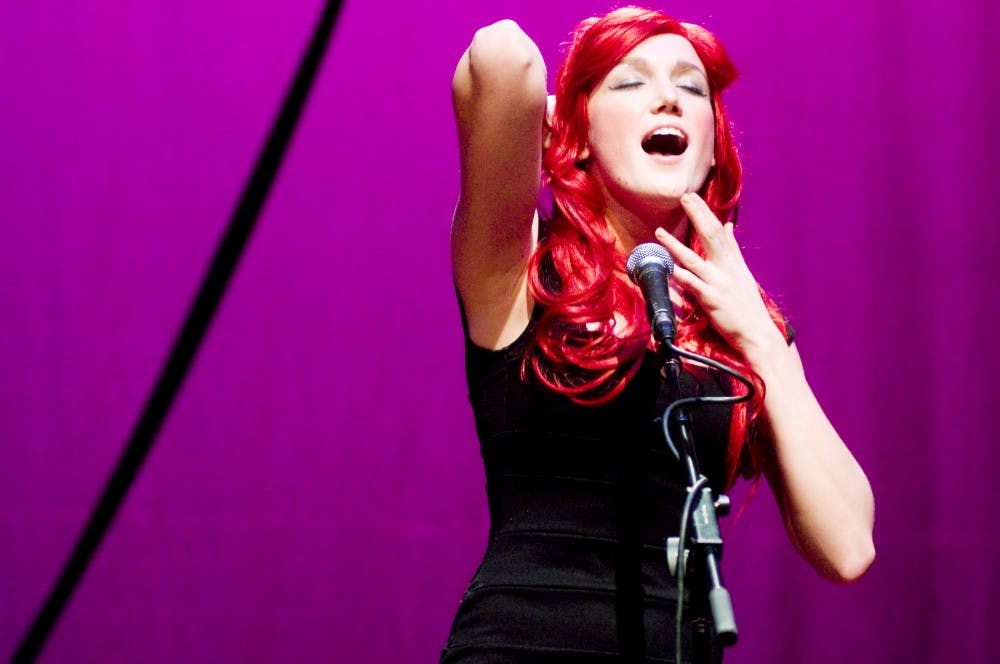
{"x":649,"y":266}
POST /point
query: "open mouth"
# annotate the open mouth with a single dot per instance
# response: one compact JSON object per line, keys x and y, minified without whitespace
{"x":666,"y":141}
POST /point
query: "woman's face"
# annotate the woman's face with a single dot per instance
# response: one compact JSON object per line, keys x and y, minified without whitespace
{"x":652,"y":130}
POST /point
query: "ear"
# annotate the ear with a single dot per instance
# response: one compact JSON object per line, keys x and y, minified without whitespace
{"x":585,"y":155}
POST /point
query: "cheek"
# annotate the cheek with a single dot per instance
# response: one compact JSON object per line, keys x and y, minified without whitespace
{"x":607,"y":123}
{"x":706,"y":130}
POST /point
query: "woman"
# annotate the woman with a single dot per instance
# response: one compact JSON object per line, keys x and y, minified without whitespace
{"x":563,"y":379}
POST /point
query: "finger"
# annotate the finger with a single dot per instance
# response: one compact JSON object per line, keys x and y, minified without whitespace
{"x":734,"y":251}
{"x":680,"y":252}
{"x":689,"y":282}
{"x":676,"y":293}
{"x":705,"y":223}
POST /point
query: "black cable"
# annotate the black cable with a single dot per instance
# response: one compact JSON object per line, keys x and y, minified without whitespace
{"x":668,"y":413}
{"x":693,"y":491}
{"x":189,"y":339}
{"x":682,"y":564}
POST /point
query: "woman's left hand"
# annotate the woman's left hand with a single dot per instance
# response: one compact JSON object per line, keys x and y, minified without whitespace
{"x":721,"y":282}
{"x":825,"y":498}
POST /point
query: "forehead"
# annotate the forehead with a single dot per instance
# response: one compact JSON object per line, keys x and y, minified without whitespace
{"x":664,"y":50}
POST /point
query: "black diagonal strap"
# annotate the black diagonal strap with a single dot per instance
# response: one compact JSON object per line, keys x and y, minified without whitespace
{"x":185,"y":347}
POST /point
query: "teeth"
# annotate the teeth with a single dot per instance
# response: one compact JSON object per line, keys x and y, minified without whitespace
{"x":668,"y":131}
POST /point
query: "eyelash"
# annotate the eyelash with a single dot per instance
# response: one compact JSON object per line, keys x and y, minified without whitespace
{"x":693,"y":89}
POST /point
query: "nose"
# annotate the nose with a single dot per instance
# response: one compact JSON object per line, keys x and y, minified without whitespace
{"x":667,"y":100}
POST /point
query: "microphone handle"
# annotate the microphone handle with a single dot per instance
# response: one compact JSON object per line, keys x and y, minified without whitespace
{"x":659,"y":308}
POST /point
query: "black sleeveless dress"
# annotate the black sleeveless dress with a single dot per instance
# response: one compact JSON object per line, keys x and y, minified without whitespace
{"x":581,"y":499}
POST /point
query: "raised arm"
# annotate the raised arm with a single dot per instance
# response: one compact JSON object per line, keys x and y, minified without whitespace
{"x":499,"y":97}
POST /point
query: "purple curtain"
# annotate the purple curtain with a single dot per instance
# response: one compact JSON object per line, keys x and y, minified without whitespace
{"x":316,"y":493}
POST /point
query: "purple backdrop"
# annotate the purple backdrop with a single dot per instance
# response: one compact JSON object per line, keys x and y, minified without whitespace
{"x":316,"y":493}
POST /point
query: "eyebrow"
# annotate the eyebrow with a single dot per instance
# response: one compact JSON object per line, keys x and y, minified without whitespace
{"x":681,"y":66}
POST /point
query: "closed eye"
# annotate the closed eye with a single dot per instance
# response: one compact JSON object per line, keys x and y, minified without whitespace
{"x":694,"y":89}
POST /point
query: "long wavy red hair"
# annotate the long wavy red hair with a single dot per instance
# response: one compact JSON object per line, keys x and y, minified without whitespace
{"x":592,"y":334}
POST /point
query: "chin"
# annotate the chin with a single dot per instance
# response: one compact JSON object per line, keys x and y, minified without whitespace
{"x":671,"y":190}
{"x":670,"y":199}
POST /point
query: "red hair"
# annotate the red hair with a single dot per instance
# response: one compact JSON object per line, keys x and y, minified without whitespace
{"x":581,"y":348}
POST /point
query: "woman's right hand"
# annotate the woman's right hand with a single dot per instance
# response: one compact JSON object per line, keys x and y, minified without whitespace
{"x":550,"y":110}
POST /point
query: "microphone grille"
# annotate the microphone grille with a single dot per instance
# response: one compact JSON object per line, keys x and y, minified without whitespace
{"x":646,"y":252}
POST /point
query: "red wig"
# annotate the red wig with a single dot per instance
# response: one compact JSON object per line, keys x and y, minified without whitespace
{"x":592,"y":334}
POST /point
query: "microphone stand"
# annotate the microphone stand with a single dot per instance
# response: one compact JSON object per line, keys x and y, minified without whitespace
{"x":704,"y":540}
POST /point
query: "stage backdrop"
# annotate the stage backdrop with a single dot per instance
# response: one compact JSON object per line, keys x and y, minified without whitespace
{"x":316,"y":494}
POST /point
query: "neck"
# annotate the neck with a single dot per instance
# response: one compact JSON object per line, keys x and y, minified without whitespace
{"x":633,"y":227}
